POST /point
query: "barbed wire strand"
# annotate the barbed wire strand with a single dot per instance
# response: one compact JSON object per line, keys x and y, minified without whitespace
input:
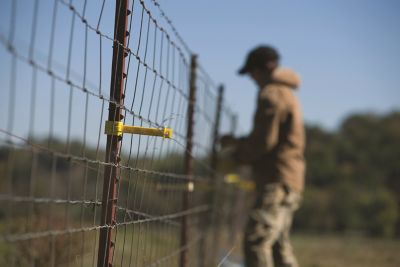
{"x":33,"y":235}
{"x":159,"y":83}
{"x":169,"y":21}
{"x":79,"y":159}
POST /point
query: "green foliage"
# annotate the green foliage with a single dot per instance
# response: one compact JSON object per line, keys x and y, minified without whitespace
{"x":379,"y":212}
{"x":353,"y":176}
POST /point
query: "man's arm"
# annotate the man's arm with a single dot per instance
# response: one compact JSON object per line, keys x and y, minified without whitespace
{"x":265,"y":134}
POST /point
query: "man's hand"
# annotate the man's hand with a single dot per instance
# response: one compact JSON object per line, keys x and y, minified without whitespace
{"x":227,"y":140}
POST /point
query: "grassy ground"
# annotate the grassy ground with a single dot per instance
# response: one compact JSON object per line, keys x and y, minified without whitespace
{"x":137,"y":245}
{"x":146,"y":244}
{"x":338,"y":251}
{"x":332,"y":251}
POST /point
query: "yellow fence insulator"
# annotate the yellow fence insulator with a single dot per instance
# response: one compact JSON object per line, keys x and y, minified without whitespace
{"x":118,"y":128}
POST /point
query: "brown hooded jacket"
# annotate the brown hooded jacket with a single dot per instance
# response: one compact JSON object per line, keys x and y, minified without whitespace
{"x":275,"y":146}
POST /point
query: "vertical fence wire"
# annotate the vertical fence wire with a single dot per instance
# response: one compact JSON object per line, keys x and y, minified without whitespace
{"x":56,"y":160}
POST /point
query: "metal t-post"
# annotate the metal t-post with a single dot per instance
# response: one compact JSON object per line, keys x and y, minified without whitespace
{"x":111,"y":170}
{"x":188,"y":160}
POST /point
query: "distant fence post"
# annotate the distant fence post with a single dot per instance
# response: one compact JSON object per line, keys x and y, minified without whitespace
{"x":214,"y":152}
{"x":236,"y":196}
{"x":188,"y":159}
{"x":234,"y":120}
{"x":214,"y":164}
{"x":111,"y":170}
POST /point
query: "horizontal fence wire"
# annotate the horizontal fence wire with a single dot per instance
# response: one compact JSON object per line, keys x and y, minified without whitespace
{"x":56,"y":72}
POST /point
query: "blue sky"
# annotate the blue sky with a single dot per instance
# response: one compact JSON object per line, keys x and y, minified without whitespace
{"x":347,"y":52}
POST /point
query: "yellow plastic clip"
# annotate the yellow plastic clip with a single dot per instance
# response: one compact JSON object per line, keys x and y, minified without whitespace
{"x":234,"y":179}
{"x":114,"y":128}
{"x":118,"y":128}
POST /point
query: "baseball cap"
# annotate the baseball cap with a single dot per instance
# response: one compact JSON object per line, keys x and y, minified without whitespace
{"x":258,"y":57}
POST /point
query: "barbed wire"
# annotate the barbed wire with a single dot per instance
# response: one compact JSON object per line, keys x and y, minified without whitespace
{"x":169,"y":21}
{"x":72,"y":157}
{"x":51,"y":187}
{"x":35,"y":235}
{"x":36,"y":65}
{"x":96,"y":29}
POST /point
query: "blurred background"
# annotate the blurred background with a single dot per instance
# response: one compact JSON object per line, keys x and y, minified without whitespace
{"x":347,"y":55}
{"x":346,"y":52}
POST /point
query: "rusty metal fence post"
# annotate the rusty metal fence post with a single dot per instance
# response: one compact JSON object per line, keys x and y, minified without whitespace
{"x":111,"y":171}
{"x":188,"y":159}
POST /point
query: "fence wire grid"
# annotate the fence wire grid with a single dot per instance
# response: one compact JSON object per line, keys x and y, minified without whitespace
{"x":55,"y":74}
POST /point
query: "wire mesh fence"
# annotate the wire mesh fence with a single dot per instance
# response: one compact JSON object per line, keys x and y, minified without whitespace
{"x":72,"y":195}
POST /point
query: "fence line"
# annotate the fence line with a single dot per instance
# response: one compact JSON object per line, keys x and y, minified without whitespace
{"x":159,"y":194}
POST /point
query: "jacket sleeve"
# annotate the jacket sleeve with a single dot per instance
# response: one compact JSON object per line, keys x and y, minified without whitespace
{"x":264,"y":136}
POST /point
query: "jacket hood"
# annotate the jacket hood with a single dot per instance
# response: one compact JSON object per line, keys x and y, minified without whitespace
{"x":286,"y":76}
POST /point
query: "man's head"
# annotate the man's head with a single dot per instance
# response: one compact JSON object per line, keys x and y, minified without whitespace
{"x":260,"y":63}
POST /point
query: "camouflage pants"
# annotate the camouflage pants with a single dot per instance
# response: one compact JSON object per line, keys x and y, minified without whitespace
{"x":266,"y":241}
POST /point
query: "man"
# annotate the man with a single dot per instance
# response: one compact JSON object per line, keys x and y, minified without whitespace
{"x":274,"y":149}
